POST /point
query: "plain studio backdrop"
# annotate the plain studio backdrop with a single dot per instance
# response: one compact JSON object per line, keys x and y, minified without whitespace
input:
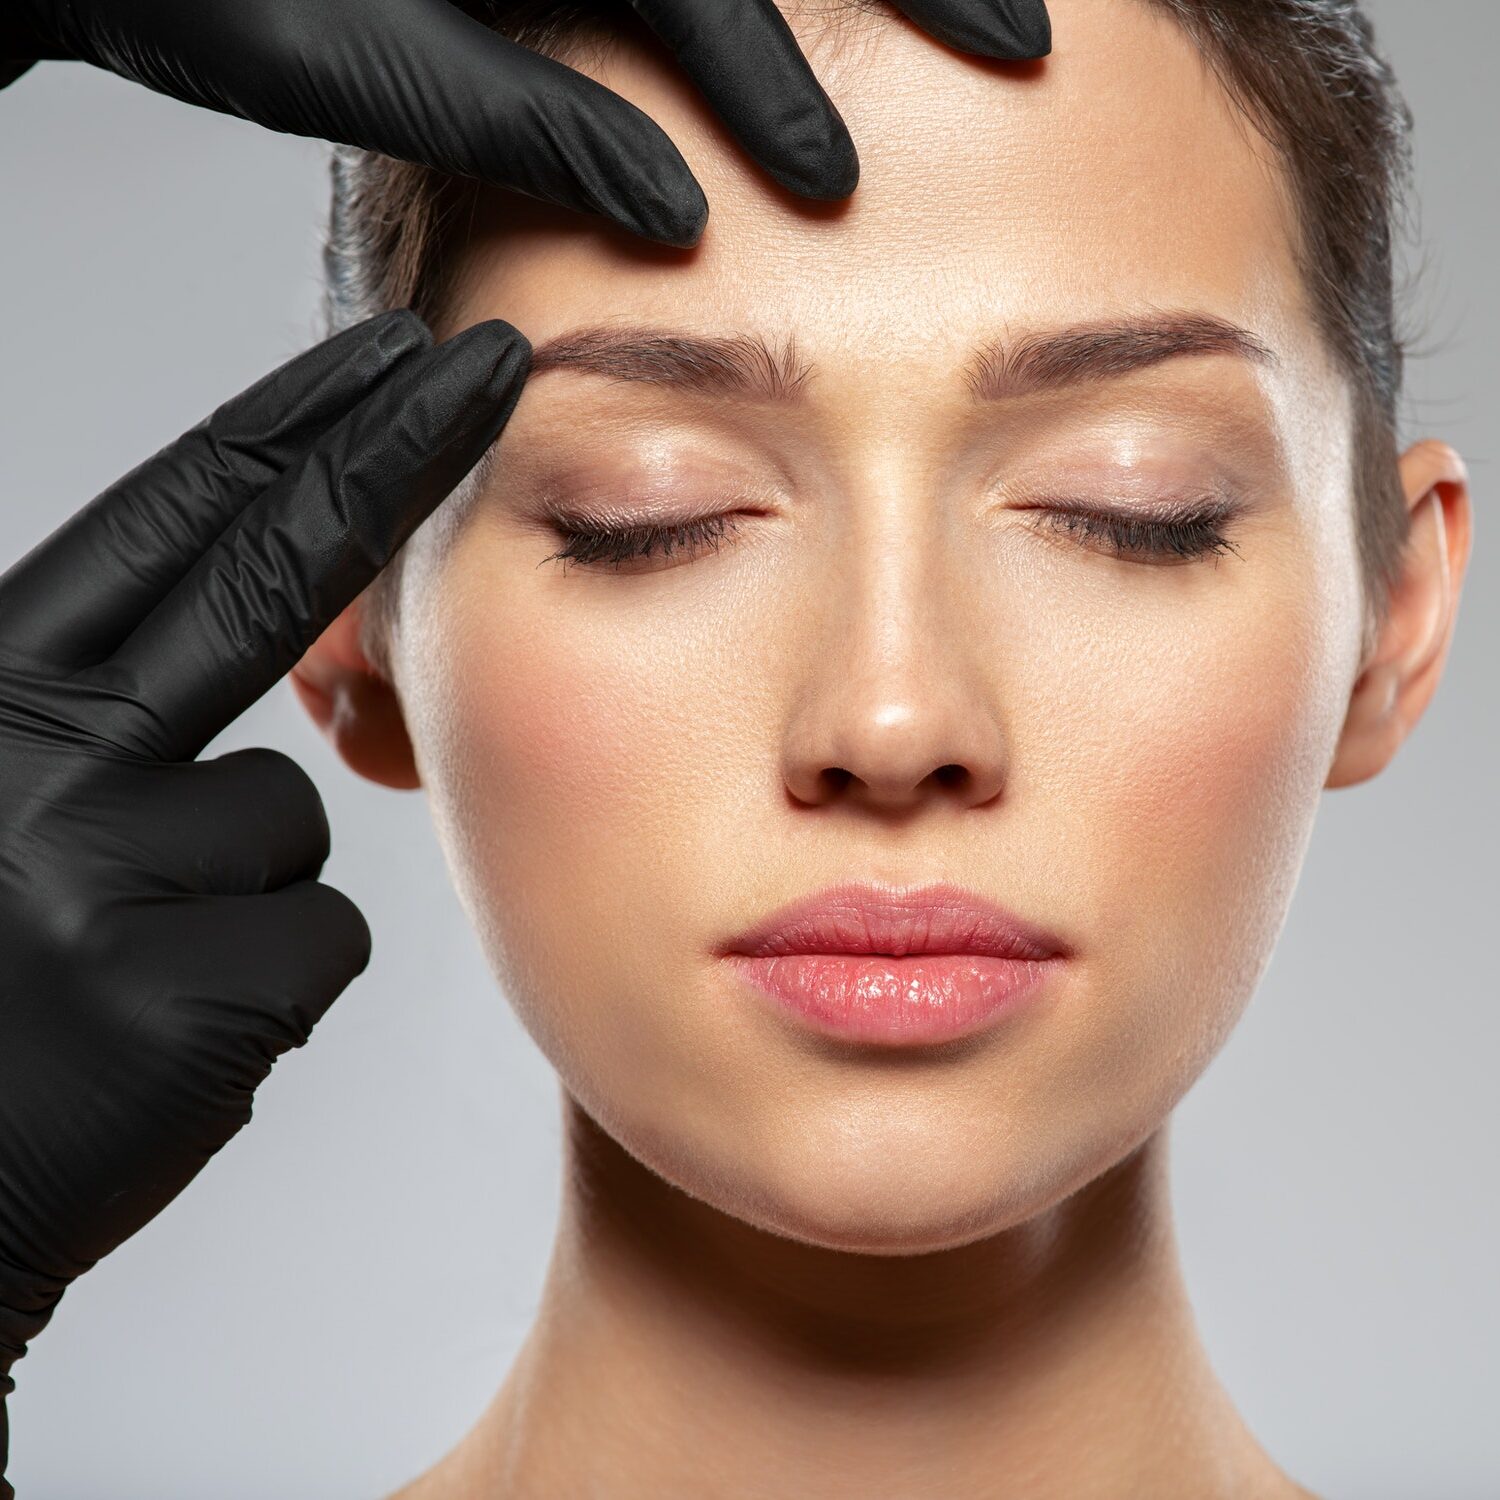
{"x":331,"y":1304}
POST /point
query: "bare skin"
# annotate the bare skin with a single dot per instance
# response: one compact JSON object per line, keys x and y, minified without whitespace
{"x":1059,"y":1359}
{"x":788,"y":1268}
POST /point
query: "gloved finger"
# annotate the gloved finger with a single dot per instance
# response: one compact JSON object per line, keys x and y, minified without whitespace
{"x":745,"y":60}
{"x":421,"y":80}
{"x":1018,"y":29}
{"x":76,"y":595}
{"x":415,"y":79}
{"x":238,"y":980}
{"x":237,"y":824}
{"x":259,"y":597}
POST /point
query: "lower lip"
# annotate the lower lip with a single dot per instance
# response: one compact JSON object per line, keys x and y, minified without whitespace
{"x":917,"y":999}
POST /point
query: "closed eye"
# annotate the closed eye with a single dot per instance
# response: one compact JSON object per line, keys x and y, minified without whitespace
{"x":1179,"y":538}
{"x":1182,"y":537}
{"x":615,"y":546}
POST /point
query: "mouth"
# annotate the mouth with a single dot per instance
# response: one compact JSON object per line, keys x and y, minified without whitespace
{"x":896,"y":966}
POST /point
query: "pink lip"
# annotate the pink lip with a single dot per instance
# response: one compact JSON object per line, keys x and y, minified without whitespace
{"x":896,"y":966}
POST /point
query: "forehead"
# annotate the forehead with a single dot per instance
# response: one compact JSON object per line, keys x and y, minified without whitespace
{"x":1116,"y":176}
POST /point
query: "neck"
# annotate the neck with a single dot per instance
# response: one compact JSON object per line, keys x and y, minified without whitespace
{"x":680,"y":1351}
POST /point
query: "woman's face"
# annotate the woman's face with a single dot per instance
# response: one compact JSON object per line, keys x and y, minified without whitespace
{"x":628,"y":767}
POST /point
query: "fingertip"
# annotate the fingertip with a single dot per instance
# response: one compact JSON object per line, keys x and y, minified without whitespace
{"x":471,"y":388}
{"x":515,"y":351}
{"x":1008,"y":30}
{"x":386,"y":341}
{"x":1024,"y":32}
{"x":678,"y":218}
{"x":1034,"y":27}
{"x":400,"y":331}
{"x":513,"y":366}
{"x":365,"y":953}
{"x":626,"y":168}
{"x":500,"y":347}
{"x":358,"y":938}
{"x":830,"y":173}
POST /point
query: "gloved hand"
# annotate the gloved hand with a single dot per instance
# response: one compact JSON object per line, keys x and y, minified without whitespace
{"x":164,"y":933}
{"x":424,"y":80}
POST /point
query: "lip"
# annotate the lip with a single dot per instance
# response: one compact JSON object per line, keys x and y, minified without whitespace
{"x":896,"y":965}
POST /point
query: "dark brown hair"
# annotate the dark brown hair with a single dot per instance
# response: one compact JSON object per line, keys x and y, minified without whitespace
{"x":1307,"y":75}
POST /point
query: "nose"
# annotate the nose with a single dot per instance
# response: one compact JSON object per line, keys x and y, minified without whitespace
{"x":894,"y":708}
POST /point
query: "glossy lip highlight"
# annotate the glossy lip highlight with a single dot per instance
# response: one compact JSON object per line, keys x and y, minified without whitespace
{"x":895,"y":966}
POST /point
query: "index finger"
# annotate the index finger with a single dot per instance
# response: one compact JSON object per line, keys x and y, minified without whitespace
{"x":1020,"y":30}
{"x":78,"y":593}
{"x":262,"y":594}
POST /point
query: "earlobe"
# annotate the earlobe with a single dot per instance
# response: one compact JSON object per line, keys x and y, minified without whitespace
{"x":355,"y":706}
{"x":1401,"y":675}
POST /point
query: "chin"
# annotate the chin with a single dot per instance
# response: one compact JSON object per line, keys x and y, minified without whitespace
{"x":885,"y":1222}
{"x":878,"y":1185}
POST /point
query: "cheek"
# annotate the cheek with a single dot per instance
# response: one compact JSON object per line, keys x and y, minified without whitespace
{"x":563,"y":751}
{"x":1184,"y":765}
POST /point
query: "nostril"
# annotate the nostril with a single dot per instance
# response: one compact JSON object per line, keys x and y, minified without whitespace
{"x":951,"y":775}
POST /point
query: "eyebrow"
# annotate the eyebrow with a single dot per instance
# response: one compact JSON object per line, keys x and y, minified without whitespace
{"x":741,"y":364}
{"x":1103,"y":351}
{"x":746,"y":366}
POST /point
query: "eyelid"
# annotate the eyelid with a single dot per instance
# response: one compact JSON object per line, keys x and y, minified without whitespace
{"x":607,"y":548}
{"x":1119,"y":502}
{"x":1185,"y":535}
{"x":657,"y":502}
{"x":617,"y":517}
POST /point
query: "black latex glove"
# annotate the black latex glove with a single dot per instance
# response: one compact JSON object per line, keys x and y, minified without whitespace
{"x":426,"y":81}
{"x":164,"y":934}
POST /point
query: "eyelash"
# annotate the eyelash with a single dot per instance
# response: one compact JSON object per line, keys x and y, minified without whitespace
{"x":1182,"y":538}
{"x":613,"y":546}
{"x":1178,"y":539}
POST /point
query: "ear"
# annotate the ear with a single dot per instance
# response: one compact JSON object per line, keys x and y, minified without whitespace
{"x":1398,"y":679}
{"x":355,"y":705}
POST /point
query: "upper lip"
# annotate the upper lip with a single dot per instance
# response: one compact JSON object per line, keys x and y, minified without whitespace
{"x":892,"y":920}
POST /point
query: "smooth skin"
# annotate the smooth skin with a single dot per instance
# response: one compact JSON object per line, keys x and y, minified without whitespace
{"x":783,"y":1266}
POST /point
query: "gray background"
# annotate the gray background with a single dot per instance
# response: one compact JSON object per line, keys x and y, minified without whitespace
{"x":328,"y":1308}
